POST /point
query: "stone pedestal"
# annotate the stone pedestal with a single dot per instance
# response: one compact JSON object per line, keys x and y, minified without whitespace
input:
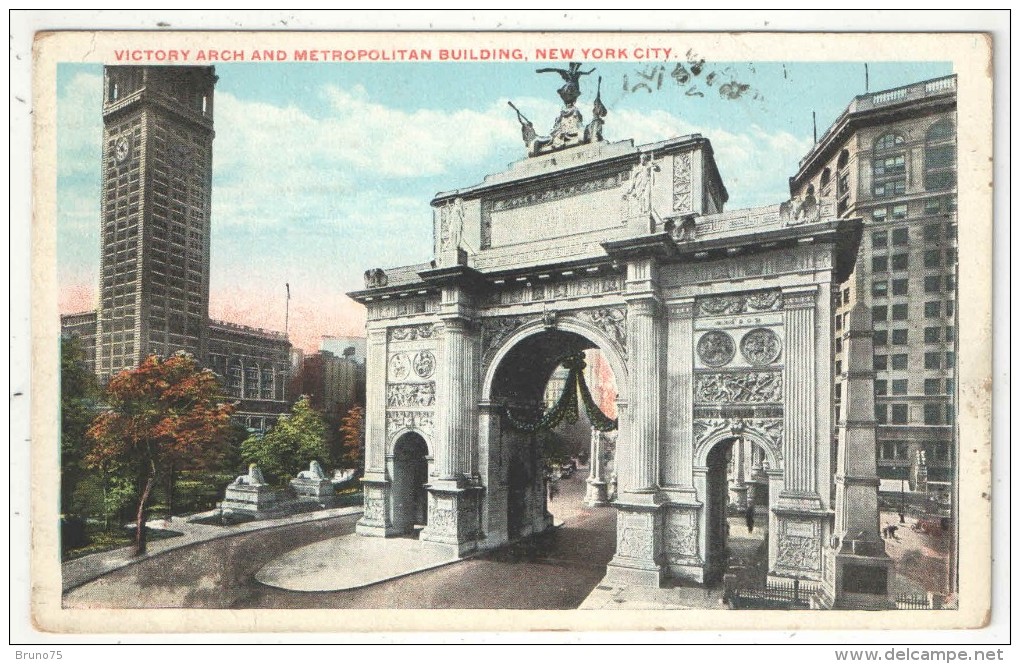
{"x":312,"y":488}
{"x":638,"y":559}
{"x":738,"y":496}
{"x":250,"y":499}
{"x":454,"y":517}
{"x":680,"y":542}
{"x":597,"y":493}
{"x":375,"y":521}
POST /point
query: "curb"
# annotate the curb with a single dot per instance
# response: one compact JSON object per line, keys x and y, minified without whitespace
{"x":242,"y":529}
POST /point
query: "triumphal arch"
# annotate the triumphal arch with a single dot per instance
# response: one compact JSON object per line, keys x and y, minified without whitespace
{"x":717,"y":326}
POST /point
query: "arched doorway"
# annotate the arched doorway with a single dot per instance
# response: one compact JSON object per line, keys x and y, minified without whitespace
{"x":410,"y":477}
{"x":524,"y":382}
{"x":736,"y":511}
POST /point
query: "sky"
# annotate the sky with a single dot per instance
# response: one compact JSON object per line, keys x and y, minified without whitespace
{"x":321,"y":171}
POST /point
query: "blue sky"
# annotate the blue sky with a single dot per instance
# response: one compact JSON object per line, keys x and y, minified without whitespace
{"x":321,"y":171}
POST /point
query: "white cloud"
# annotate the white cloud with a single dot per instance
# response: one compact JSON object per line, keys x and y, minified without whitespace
{"x":754,"y":163}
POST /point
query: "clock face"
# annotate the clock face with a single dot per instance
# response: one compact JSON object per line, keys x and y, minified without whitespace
{"x":122,"y":149}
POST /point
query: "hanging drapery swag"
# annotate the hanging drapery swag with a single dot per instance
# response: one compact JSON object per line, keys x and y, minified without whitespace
{"x":566,"y":407}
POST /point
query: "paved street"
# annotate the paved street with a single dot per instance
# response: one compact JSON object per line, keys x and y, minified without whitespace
{"x":556,"y":571}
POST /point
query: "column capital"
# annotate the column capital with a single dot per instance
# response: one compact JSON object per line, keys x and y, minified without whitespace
{"x":682,"y":309}
{"x":800,"y":297}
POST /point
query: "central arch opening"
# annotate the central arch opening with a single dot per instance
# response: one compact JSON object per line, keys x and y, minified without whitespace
{"x":554,"y":474}
{"x":737,"y":513}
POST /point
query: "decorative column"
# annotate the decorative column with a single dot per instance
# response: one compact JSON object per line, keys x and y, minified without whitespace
{"x":860,"y":565}
{"x":676,"y":446}
{"x":739,"y":489}
{"x":638,"y":558}
{"x":454,"y":509}
{"x":797,"y":522}
{"x":375,"y":522}
{"x":596,"y":493}
{"x":800,"y":485}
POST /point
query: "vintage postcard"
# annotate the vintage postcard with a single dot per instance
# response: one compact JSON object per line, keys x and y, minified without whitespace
{"x":582,"y":331}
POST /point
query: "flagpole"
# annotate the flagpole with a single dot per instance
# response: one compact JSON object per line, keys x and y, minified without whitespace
{"x":286,"y":320}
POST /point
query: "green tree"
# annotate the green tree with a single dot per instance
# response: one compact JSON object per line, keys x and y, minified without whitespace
{"x":79,"y":393}
{"x":352,"y":438}
{"x":289,"y":446}
{"x":165,"y":414}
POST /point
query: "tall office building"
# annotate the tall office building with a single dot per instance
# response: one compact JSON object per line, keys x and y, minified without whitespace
{"x":156,"y":186}
{"x":154,"y":265}
{"x":890,"y":158}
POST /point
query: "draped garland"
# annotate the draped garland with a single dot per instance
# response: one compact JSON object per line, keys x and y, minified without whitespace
{"x":566,"y":407}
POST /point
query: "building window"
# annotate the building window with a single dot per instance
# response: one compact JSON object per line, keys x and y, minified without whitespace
{"x":932,"y":413}
{"x":950,"y":360}
{"x":880,"y":388}
{"x":888,"y":141}
{"x":940,"y":157}
{"x":894,"y":450}
{"x":899,"y":413}
{"x":879,"y":215}
{"x":839,"y":322}
{"x":846,"y":296}
{"x":932,"y":206}
{"x":839,"y":345}
{"x":891,"y":188}
{"x":949,"y":334}
{"x":933,"y":360}
{"x":933,"y":233}
{"x":899,"y":212}
{"x":949,"y":308}
{"x":881,"y":413}
{"x":839,"y":367}
{"x":880,"y":263}
{"x":881,"y":362}
{"x":880,"y":337}
{"x":899,"y":361}
{"x":933,"y":258}
{"x":932,"y":309}
{"x":825,"y":183}
{"x":950,"y":283}
{"x":949,"y":386}
{"x":932,"y":386}
{"x":879,"y":238}
{"x":899,"y":312}
{"x":933,"y":284}
{"x":900,"y":236}
{"x":899,"y":386}
{"x":880,"y":288}
{"x":892,"y":165}
{"x":839,"y":391}
{"x":950,"y":413}
{"x":899,"y":337}
{"x":899,"y":287}
{"x":900,"y":261}
{"x":931,"y":335}
{"x":879,"y":312}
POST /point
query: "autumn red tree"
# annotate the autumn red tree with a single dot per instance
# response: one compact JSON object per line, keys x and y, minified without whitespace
{"x":352,"y":436}
{"x":164,"y":414}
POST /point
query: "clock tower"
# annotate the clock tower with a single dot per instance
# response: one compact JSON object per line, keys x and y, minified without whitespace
{"x":156,"y":185}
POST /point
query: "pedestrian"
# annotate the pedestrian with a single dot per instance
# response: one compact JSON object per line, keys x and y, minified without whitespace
{"x":553,"y":490}
{"x":749,"y":518}
{"x":892,"y":531}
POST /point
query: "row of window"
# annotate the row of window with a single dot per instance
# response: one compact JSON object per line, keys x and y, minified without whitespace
{"x":935,"y":283}
{"x":900,"y":361}
{"x":898,"y":413}
{"x":899,"y":450}
{"x":933,"y":258}
{"x":901,"y":386}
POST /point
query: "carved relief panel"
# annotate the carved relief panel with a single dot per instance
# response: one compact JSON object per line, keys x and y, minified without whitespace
{"x":681,"y":537}
{"x":799,"y":545}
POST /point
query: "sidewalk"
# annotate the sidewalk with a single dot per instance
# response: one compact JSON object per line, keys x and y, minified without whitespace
{"x":351,"y":561}
{"x":89,"y":568}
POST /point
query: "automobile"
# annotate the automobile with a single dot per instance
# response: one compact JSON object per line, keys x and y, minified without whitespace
{"x":568,"y":469}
